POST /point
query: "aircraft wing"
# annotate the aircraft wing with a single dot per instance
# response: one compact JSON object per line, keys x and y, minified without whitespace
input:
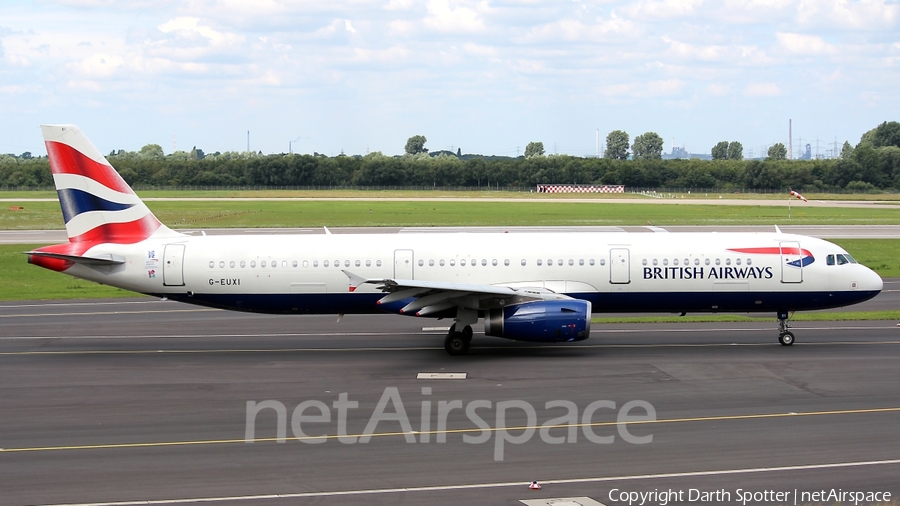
{"x":436,"y":296}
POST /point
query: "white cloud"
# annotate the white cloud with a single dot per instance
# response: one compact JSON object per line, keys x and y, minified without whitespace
{"x":446,"y":18}
{"x":762,"y":90}
{"x":100,"y":65}
{"x":718,"y":90}
{"x":186,"y":26}
{"x":399,"y":5}
{"x":809,"y":45}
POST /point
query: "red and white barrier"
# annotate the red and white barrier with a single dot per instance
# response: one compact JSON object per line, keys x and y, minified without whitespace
{"x":571,"y":188}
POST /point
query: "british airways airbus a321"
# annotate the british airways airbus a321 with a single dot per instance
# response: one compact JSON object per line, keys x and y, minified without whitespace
{"x":538,"y":287}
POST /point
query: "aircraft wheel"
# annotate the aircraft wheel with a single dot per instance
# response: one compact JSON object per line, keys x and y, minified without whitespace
{"x":786,"y":339}
{"x":456,"y":344}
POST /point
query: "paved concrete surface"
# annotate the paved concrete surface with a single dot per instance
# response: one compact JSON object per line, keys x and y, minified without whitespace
{"x":145,"y":400}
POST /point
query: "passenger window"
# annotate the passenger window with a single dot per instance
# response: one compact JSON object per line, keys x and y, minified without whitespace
{"x":737,"y":261}
{"x":523,"y":262}
{"x":378,"y":263}
{"x":506,"y":262}
{"x":655,"y":261}
{"x":211,"y":264}
{"x":559,"y":262}
{"x":315,"y":263}
{"x":706,"y":261}
{"x":549,"y":261}
{"x":675,"y":261}
{"x":696,"y":261}
{"x":441,"y":263}
{"x":305,"y":263}
{"x":581,"y":261}
{"x":727,"y":261}
{"x":231,"y":264}
{"x":325,"y":263}
{"x":494,"y":262}
{"x":462,"y":262}
{"x":294,"y":263}
{"x":748,"y":261}
{"x":368,"y":263}
{"x":687,"y":262}
{"x":262,"y":264}
{"x":243,"y":264}
{"x":346,"y":263}
{"x":602,"y":261}
{"x":452,"y":262}
{"x":222,"y":265}
{"x":431,"y":263}
{"x":539,"y":262}
{"x":484,"y":262}
{"x":718,"y":262}
{"x":421,"y":262}
{"x":643,"y":262}
{"x":665,"y":261}
{"x":591,"y":261}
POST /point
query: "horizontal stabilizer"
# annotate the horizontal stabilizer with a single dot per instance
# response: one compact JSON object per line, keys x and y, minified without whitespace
{"x":107,"y":259}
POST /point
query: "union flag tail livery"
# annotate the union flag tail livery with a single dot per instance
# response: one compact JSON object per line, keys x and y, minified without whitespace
{"x":526,"y":286}
{"x":98,"y":207}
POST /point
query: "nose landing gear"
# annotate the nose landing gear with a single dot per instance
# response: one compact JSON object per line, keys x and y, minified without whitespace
{"x":785,"y":337}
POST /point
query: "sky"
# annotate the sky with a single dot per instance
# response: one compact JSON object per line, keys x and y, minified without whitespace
{"x":483,"y":76}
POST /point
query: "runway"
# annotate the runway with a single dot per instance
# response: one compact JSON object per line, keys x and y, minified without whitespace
{"x":136,"y":401}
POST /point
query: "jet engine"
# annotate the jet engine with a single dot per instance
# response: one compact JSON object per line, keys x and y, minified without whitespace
{"x":544,"y":321}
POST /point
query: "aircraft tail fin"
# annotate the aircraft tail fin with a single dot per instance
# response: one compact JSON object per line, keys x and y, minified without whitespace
{"x":98,"y":206}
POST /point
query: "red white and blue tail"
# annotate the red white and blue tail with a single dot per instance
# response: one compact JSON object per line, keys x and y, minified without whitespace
{"x":97,"y":204}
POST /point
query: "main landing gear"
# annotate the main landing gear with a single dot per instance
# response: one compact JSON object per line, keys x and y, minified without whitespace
{"x":457,"y":343}
{"x":785,"y":337}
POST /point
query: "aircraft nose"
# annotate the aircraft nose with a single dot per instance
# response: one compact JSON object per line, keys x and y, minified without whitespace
{"x":871,"y":281}
{"x":875,"y":281}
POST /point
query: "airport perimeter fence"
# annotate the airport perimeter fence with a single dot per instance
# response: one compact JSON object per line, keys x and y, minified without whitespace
{"x":648,"y":192}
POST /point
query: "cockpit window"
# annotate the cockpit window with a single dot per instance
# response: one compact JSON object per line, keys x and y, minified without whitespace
{"x":829,"y":260}
{"x":841,"y":260}
{"x":850,"y":258}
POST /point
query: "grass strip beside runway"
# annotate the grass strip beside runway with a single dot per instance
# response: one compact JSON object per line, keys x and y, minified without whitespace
{"x":351,"y":213}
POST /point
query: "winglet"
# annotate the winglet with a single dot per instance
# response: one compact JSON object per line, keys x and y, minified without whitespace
{"x":777,"y":230}
{"x":327,"y":232}
{"x":355,"y":280}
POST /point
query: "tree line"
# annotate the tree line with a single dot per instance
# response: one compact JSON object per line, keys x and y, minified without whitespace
{"x":872,"y":165}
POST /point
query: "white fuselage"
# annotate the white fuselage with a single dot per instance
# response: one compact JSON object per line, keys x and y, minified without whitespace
{"x":638,"y":272}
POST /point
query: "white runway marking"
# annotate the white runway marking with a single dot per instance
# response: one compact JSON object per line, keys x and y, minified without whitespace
{"x":442,"y":375}
{"x":475,"y":486}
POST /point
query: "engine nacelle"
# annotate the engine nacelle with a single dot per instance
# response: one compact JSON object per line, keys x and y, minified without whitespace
{"x":541,"y":321}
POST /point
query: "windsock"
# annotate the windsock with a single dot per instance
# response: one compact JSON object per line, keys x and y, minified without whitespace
{"x":798,"y":196}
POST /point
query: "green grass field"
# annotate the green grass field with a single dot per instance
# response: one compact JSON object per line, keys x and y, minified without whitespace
{"x":289,"y":214}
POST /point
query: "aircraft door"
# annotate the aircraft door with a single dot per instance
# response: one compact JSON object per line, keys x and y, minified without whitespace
{"x":791,"y":262}
{"x":619,"y":266}
{"x":403,"y":264}
{"x":173,"y":265}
